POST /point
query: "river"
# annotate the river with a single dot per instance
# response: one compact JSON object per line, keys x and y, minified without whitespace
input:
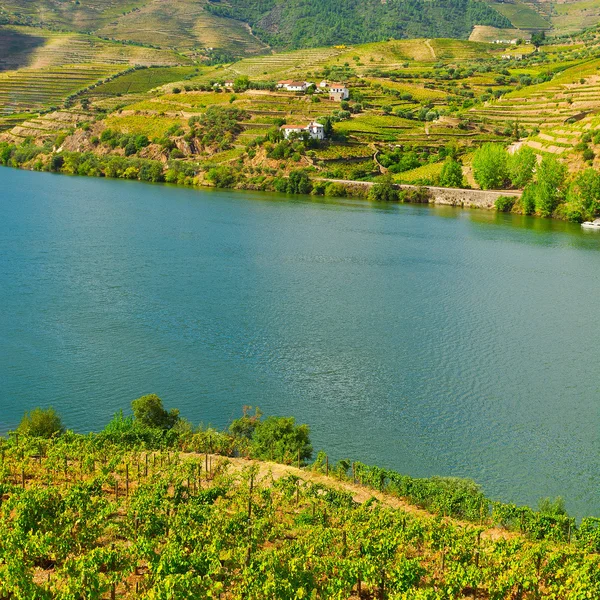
{"x":432,"y":340}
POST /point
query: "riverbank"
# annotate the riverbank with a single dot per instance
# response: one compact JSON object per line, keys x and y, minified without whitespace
{"x":296,"y":182}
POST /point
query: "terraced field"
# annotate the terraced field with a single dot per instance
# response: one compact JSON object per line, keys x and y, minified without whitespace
{"x":35,"y":48}
{"x":182,"y":24}
{"x":49,"y":125}
{"x":521,"y":15}
{"x":142,"y":81}
{"x":35,"y":90}
{"x":84,"y":15}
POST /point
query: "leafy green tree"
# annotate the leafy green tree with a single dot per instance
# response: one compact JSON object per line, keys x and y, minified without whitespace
{"x":247,"y":423}
{"x":538,"y":38}
{"x":490,"y":167}
{"x":41,"y":422}
{"x":384,"y":191}
{"x":521,"y":165}
{"x":149,"y":411}
{"x":554,"y":508}
{"x":452,"y":174}
{"x":528,"y":199}
{"x":279,"y":438}
{"x":299,"y":183}
{"x":241,"y":83}
{"x":585,"y":191}
{"x":551,"y":178}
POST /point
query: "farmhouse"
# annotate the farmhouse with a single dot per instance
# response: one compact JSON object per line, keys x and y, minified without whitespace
{"x":292,"y":86}
{"x":315,"y":130}
{"x":338,"y":92}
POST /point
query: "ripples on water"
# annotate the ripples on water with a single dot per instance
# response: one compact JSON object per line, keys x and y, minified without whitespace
{"x":433,"y":341}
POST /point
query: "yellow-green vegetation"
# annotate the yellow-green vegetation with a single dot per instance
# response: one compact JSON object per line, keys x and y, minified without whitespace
{"x":417,"y":111}
{"x":153,"y":507}
{"x":521,"y":15}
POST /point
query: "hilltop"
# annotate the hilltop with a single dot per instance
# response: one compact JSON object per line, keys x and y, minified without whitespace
{"x":234,"y":28}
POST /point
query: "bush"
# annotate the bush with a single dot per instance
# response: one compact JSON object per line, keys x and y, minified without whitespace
{"x":505,"y":203}
{"x":384,"y":191}
{"x":279,"y":438}
{"x":149,"y":411}
{"x":41,"y":422}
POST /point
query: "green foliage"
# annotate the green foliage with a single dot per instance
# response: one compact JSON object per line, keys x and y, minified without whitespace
{"x":521,"y":165}
{"x":149,"y":411}
{"x":551,"y":178}
{"x":452,"y":174}
{"x":247,"y":423}
{"x":505,"y":203}
{"x":279,"y":438}
{"x":490,"y":167}
{"x":41,"y":422}
{"x":528,"y":199}
{"x":384,"y":191}
{"x":297,"y":24}
{"x":298,"y":182}
{"x":585,"y":191}
{"x":553,"y":508}
{"x":222,"y":177}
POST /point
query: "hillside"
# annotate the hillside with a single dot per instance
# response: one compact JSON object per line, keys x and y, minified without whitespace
{"x":153,"y":508}
{"x":296,"y":24}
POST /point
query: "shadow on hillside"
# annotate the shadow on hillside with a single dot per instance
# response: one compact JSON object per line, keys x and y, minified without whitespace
{"x":16,"y":49}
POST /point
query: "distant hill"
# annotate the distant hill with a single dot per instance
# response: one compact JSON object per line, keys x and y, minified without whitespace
{"x":310,"y":23}
{"x":224,"y":29}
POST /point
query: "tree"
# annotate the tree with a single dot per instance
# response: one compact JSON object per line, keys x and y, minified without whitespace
{"x":41,"y":422}
{"x":521,"y":165}
{"x":149,"y":411}
{"x":585,"y":190}
{"x":551,"y":177}
{"x":490,"y":166}
{"x":538,"y":38}
{"x":452,"y":174}
{"x":298,"y":183}
{"x":247,"y":423}
{"x":384,"y":191}
{"x":327,"y":126}
{"x":279,"y":438}
{"x":241,"y":83}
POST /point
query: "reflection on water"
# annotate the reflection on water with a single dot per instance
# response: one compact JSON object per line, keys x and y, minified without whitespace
{"x":433,"y":340}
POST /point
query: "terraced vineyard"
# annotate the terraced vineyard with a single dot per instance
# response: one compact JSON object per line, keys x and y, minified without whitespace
{"x":184,"y":25}
{"x":139,"y":511}
{"x":36,"y":90}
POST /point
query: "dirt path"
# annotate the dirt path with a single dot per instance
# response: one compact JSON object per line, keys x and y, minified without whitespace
{"x":269,"y":471}
{"x":428,"y":44}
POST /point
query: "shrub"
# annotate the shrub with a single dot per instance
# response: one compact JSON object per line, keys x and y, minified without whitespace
{"x":279,"y":438}
{"x":505,"y":203}
{"x":149,"y":411}
{"x":384,"y":191}
{"x":41,"y":422}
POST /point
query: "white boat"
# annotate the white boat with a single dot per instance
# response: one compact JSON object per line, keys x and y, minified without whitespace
{"x":595,"y":224}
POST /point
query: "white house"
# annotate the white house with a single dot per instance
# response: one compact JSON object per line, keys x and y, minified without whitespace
{"x":323,"y":84}
{"x":293,"y":86}
{"x":338,"y":92}
{"x":315,"y":130}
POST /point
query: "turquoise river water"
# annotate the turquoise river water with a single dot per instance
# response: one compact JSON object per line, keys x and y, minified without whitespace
{"x":429,"y":340}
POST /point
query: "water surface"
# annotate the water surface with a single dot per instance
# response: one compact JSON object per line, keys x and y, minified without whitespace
{"x":429,"y":340}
